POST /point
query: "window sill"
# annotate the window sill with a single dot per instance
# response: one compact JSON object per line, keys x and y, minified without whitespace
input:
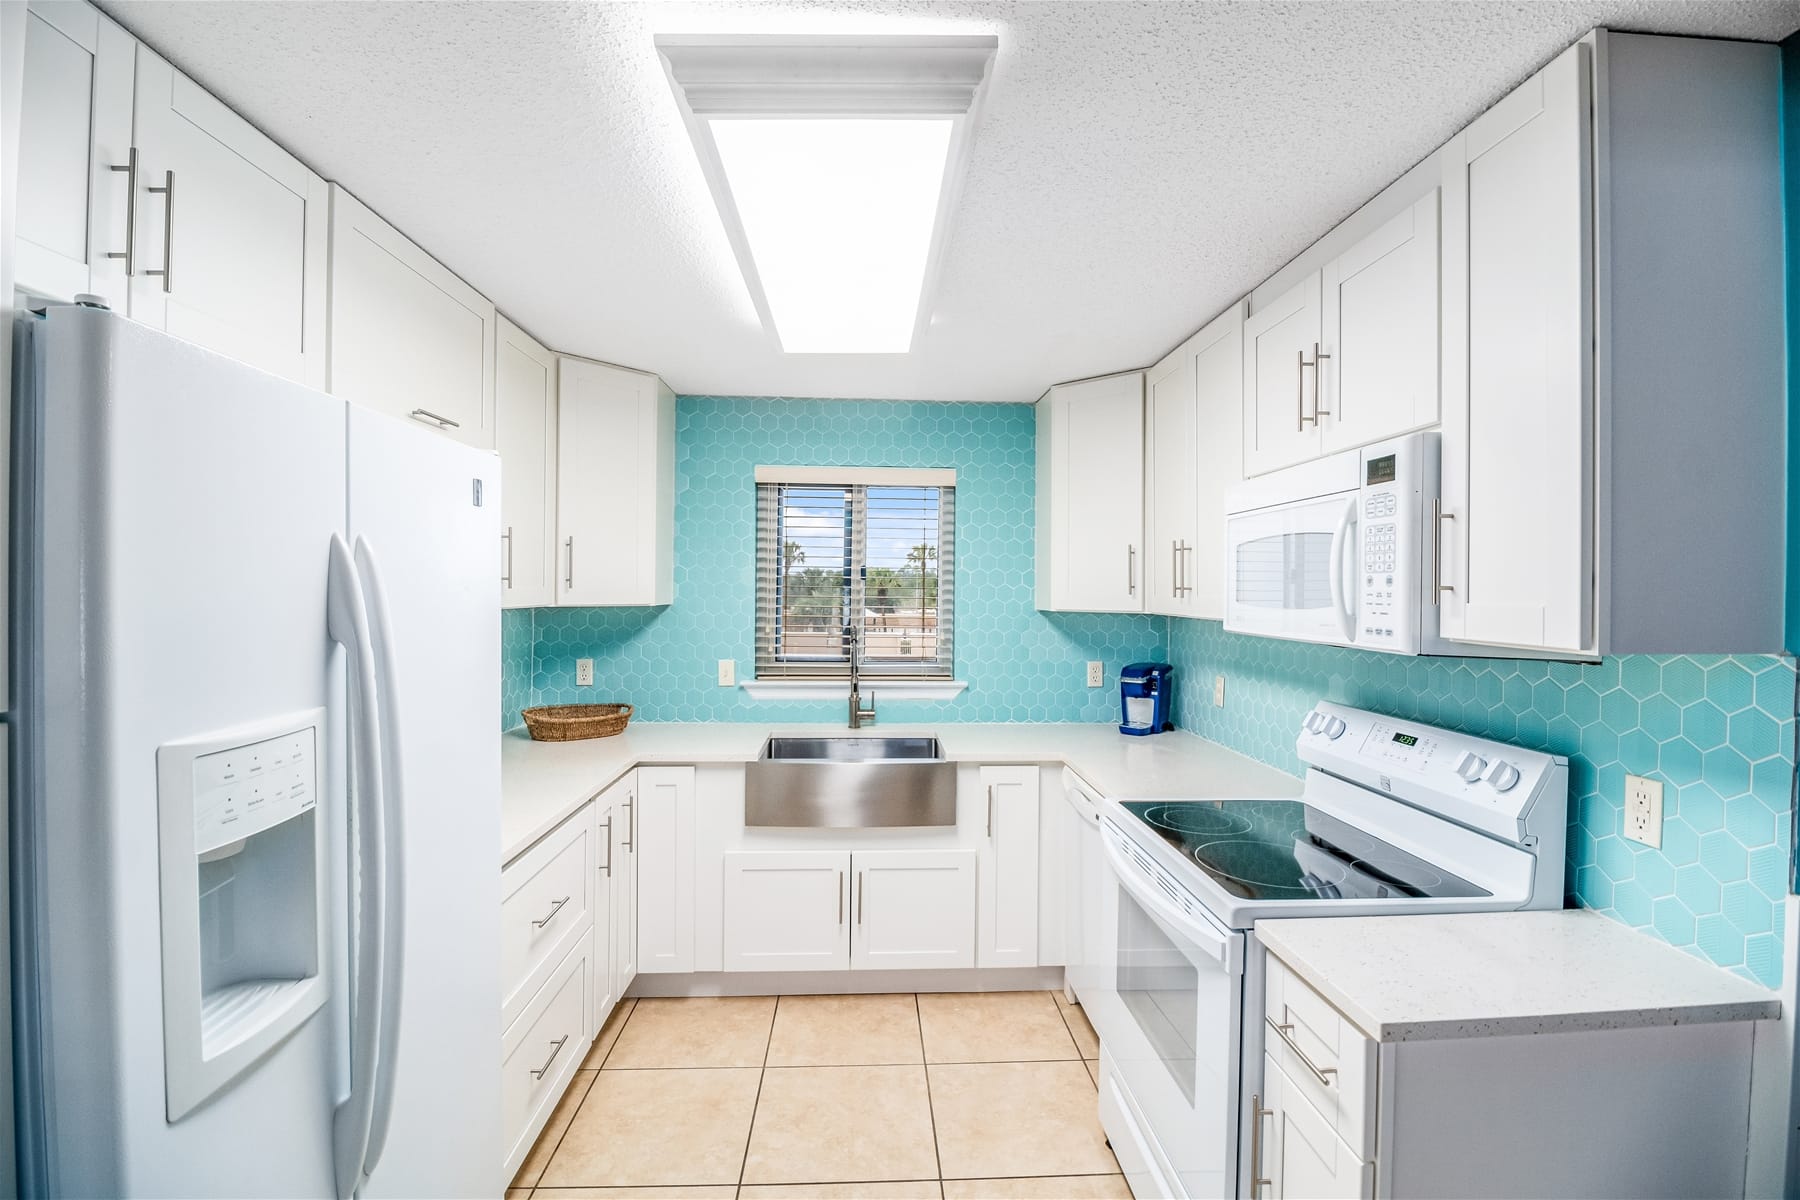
{"x":839,"y":689}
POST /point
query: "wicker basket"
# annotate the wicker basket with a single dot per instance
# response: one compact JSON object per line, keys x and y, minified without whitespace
{"x":573,"y":722}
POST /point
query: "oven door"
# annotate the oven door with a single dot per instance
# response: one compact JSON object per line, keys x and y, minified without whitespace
{"x":1170,"y":1072}
{"x":1290,"y":570}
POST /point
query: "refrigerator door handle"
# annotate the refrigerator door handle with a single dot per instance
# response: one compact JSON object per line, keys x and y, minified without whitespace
{"x":393,"y":806}
{"x":347,"y":624}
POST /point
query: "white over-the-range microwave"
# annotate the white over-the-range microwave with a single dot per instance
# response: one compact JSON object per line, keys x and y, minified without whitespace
{"x":1343,"y":550}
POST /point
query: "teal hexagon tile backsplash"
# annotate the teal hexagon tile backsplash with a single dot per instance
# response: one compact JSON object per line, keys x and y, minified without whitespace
{"x":1717,"y":731}
{"x":517,"y":653}
{"x":1020,"y":664}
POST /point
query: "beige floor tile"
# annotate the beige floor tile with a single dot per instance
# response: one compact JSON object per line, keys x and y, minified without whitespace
{"x":1015,"y":1119}
{"x":722,"y":1192}
{"x":533,"y":1166}
{"x":1054,"y":1187}
{"x":1086,"y":1040}
{"x":832,"y":1124}
{"x":845,"y":1031}
{"x":682,"y":1128}
{"x":921,"y":1189}
{"x":1093,"y":1069}
{"x":963,"y":1027}
{"x":609,"y":1033}
{"x":699,"y":1031}
{"x":518,"y":1194}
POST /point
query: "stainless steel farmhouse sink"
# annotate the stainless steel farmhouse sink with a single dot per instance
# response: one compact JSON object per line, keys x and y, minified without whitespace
{"x":850,"y":783}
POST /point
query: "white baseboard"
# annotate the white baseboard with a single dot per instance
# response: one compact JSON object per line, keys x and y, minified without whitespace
{"x":828,"y":983}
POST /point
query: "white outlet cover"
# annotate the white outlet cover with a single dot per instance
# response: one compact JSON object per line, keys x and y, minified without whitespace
{"x":727,"y":672}
{"x":1096,"y":674}
{"x":1644,"y":810}
{"x":1218,"y":691}
{"x":584,"y":672}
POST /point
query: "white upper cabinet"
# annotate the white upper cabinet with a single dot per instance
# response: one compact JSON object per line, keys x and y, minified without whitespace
{"x":407,"y":336}
{"x":1517,"y":529}
{"x":615,"y":486}
{"x":75,"y":127}
{"x":1281,"y":379}
{"x":525,"y":436}
{"x":1193,"y":451}
{"x":1380,"y":320}
{"x":1091,"y":555}
{"x":230,"y":230}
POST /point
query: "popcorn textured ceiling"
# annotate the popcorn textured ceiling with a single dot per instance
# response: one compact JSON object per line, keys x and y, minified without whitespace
{"x":1137,"y":166}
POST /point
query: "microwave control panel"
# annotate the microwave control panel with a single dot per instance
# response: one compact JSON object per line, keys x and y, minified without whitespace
{"x":1387,"y":534}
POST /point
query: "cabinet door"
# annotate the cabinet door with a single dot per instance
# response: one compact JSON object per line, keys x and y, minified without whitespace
{"x":407,"y":337}
{"x":914,"y":908}
{"x":1093,"y":478}
{"x":1008,"y":929}
{"x":525,"y":436}
{"x":787,"y":910}
{"x":615,"y":481}
{"x":606,"y":888}
{"x":231,"y":230}
{"x":660,"y":832}
{"x":71,"y":235}
{"x":1517,"y":527}
{"x":1302,"y":1158}
{"x":1281,"y":380}
{"x":1381,"y":331}
{"x":1217,"y":354}
{"x":1171,"y":458}
{"x":624,"y":902}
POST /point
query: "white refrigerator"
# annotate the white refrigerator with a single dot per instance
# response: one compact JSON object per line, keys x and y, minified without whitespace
{"x":256,"y":782}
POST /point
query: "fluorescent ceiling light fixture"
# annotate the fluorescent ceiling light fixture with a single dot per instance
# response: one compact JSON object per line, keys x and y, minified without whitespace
{"x":835,"y":164}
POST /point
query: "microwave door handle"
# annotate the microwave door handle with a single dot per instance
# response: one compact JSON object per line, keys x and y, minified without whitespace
{"x":1340,"y":608}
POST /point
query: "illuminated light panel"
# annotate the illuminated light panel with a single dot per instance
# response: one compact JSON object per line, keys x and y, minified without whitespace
{"x":838,"y":213}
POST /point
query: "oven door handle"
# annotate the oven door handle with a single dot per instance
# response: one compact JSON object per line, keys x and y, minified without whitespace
{"x":1198,"y":932}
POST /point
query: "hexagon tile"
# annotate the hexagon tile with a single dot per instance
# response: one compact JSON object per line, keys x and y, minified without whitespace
{"x":1718,"y":732}
{"x":516,"y":658}
{"x":1020,"y":664}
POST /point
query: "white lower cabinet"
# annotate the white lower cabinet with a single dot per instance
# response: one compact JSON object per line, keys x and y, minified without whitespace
{"x":541,"y":1051}
{"x":1008,"y":914}
{"x":787,"y":910}
{"x":1301,"y":1157}
{"x":914,"y":908}
{"x":659,"y":830}
{"x":546,"y":909}
{"x":623,"y":874}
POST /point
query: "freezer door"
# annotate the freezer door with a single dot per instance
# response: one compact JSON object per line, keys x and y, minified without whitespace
{"x":174,"y":514}
{"x":425,"y":512}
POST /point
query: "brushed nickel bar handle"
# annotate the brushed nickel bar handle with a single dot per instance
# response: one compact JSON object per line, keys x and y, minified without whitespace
{"x":1130,"y":569}
{"x":1174,"y":568}
{"x":507,"y":537}
{"x":555,"y":1049}
{"x":631,"y":819}
{"x":129,"y":254}
{"x":1300,"y":393}
{"x":425,"y":414}
{"x":1285,"y":1033}
{"x":1438,"y":517}
{"x":990,"y":831}
{"x":1319,"y":357}
{"x":840,"y":897}
{"x":607,"y":866}
{"x":1257,"y":1113}
{"x":859,"y":896}
{"x":569,"y":578}
{"x":555,"y":907}
{"x":167,"y":192}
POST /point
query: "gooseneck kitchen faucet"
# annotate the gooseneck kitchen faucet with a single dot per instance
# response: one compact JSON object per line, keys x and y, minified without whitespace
{"x":859,"y":716}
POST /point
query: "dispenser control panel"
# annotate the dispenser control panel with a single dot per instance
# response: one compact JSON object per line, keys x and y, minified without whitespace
{"x":246,"y":789}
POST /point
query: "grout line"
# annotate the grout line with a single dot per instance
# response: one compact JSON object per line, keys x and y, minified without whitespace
{"x":762,"y":1074}
{"x":620,"y":1036}
{"x":937,"y":1154}
{"x":551,"y":1157}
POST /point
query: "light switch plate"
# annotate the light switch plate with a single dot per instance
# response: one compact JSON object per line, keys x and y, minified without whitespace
{"x":1096,"y":674}
{"x":1643,"y":810}
{"x":584,"y":672}
{"x":1218,"y":691}
{"x":727,"y":672}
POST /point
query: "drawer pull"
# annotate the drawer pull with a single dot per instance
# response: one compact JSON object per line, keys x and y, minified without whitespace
{"x":555,"y":1049}
{"x":425,"y":414}
{"x":1258,"y":1181}
{"x":1285,"y":1033}
{"x":557,"y":907}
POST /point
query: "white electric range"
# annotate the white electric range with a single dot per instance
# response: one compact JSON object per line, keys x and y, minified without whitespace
{"x":1393,"y":817}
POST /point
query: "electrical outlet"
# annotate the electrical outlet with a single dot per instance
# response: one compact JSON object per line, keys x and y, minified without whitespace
{"x":1218,"y":691}
{"x":727,"y":672}
{"x":1096,"y":674}
{"x":584,"y":672}
{"x":1643,"y":811}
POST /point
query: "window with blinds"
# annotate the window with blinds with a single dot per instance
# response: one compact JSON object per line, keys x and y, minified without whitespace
{"x":878,"y":558}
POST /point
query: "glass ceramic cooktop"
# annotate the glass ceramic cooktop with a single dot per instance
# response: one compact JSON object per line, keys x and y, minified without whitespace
{"x":1288,"y":850}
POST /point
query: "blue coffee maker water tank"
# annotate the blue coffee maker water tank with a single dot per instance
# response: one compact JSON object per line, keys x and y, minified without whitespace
{"x":1144,"y":690}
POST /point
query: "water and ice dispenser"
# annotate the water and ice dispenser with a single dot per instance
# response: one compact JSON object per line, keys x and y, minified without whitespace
{"x":244,"y":885}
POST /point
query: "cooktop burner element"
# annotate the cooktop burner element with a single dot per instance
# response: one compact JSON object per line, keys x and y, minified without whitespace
{"x":1289,"y":850}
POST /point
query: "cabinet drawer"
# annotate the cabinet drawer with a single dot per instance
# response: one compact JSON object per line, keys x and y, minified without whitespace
{"x":547,"y":907}
{"x":541,"y":1050}
{"x":1327,"y":1059}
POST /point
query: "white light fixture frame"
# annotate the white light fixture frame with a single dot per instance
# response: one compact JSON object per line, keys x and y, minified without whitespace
{"x":797,"y":76}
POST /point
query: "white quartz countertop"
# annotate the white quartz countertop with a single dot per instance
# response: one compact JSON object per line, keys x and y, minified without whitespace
{"x":1418,"y":978}
{"x":541,"y":783}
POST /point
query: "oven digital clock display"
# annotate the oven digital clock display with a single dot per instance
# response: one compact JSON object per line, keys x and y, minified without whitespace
{"x":1407,"y":739}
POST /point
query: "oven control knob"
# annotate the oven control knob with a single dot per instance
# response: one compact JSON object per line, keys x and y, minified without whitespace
{"x":1471,"y":766}
{"x":1334,"y":727}
{"x":1315,"y":721}
{"x":1503,"y":776}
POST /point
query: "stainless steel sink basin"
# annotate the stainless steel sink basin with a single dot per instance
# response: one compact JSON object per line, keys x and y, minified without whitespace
{"x":858,"y":782}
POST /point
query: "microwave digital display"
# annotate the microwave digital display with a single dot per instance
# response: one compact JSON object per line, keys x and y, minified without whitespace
{"x":1407,"y":739}
{"x":1381,"y":470}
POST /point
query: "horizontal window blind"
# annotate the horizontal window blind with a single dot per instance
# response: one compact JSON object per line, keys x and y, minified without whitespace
{"x":878,"y":559}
